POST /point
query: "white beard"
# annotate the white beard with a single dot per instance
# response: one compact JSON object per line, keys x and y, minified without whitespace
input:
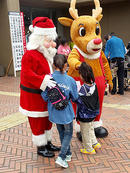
{"x":48,"y":53}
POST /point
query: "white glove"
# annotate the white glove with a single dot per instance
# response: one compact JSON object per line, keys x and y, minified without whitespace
{"x":51,"y":83}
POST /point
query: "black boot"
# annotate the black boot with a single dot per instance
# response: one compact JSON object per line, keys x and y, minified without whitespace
{"x":100,"y":132}
{"x":43,"y":151}
{"x":79,"y":136}
{"x":105,"y":93}
{"x":52,"y":147}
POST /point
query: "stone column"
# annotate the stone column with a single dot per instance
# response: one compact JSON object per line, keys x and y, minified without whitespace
{"x":5,"y":43}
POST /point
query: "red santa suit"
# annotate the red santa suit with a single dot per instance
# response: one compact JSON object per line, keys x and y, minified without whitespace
{"x":34,"y":78}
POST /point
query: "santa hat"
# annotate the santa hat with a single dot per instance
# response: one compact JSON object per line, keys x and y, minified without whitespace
{"x":43,"y":26}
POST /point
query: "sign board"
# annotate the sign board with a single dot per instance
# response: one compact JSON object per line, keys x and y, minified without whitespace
{"x":18,"y":39}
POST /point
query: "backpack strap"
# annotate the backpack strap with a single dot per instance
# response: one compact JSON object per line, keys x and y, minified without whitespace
{"x":85,"y":90}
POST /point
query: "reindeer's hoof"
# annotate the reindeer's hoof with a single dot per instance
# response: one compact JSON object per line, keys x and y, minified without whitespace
{"x":101,"y":132}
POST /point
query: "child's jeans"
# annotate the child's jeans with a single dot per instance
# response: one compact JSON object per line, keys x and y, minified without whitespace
{"x":88,"y":135}
{"x":65,"y":133}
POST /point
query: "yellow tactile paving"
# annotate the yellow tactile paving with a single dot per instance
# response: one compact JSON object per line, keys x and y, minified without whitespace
{"x":9,"y":93}
{"x":117,"y":106}
{"x":17,"y":118}
{"x":12,"y":120}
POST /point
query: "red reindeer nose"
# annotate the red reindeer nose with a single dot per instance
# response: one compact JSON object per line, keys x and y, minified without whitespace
{"x":97,"y":41}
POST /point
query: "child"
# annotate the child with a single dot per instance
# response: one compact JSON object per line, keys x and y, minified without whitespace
{"x":88,"y":108}
{"x":64,"y":48}
{"x":63,"y":118}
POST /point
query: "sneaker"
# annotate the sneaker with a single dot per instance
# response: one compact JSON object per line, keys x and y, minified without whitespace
{"x":68,"y":158}
{"x":97,"y":146}
{"x":61,"y":162}
{"x":88,"y":152}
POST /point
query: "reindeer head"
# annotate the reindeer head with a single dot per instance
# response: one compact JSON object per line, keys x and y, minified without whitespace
{"x":85,"y":30}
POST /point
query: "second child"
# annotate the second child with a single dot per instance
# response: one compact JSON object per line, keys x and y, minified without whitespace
{"x":63,"y":118}
{"x":88,"y":108}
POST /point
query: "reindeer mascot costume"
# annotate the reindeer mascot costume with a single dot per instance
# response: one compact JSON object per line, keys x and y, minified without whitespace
{"x":85,"y":33}
{"x":36,"y":67}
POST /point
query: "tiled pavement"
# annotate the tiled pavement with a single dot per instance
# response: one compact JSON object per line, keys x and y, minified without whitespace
{"x":18,"y":154}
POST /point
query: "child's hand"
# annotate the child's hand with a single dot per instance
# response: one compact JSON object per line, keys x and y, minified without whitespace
{"x":110,"y":87}
{"x":78,"y":65}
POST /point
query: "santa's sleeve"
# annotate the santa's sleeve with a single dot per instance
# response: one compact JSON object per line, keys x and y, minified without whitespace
{"x":30,"y":76}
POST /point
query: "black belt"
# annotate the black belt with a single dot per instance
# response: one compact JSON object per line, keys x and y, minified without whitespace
{"x":31,"y":90}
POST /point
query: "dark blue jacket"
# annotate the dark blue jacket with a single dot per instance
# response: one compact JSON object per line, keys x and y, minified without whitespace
{"x":88,"y":103}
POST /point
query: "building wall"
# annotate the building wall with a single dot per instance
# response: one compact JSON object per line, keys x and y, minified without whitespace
{"x":63,"y":31}
{"x":116,"y":19}
{"x":5,"y":42}
{"x":13,"y":5}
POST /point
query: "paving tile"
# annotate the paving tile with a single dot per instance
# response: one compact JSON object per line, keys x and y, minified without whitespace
{"x":19,"y":155}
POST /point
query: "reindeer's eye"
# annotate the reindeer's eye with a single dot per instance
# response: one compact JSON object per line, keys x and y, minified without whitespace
{"x":97,"y":30}
{"x":82,"y":31}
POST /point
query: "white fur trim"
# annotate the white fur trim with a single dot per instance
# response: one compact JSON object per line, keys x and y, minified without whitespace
{"x":48,"y":135}
{"x":44,"y":82}
{"x":97,"y":123}
{"x":91,"y":46}
{"x":42,"y":139}
{"x":31,"y":28}
{"x":45,"y":31}
{"x":50,"y":66}
{"x":77,"y":127}
{"x":88,"y":56}
{"x":33,"y":113}
{"x":39,"y":140}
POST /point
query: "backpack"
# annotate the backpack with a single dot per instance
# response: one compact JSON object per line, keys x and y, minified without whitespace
{"x":88,"y":106}
{"x":57,"y":98}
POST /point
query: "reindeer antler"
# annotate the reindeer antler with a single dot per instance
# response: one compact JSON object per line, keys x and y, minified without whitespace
{"x":73,"y":12}
{"x":96,"y":13}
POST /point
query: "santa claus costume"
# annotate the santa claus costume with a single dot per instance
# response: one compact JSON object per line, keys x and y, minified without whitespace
{"x":36,"y":67}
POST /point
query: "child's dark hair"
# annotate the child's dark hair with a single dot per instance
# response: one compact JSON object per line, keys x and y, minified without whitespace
{"x":106,"y":37}
{"x":87,"y":73}
{"x":59,"y":61}
{"x":63,"y":41}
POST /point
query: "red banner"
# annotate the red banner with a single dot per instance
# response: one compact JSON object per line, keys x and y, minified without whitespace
{"x":23,"y":31}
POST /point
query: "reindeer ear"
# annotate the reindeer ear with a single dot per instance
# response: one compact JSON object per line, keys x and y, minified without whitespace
{"x":65,"y":21}
{"x":99,"y":17}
